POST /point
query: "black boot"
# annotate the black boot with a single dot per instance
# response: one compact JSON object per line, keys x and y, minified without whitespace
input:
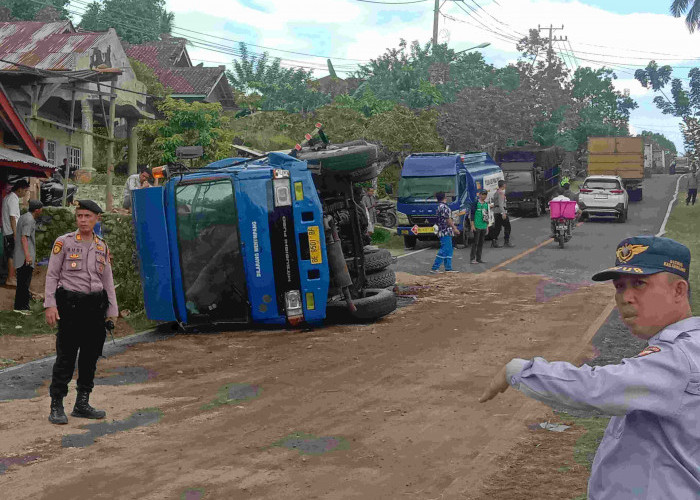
{"x":507,"y":243}
{"x":57,"y":415}
{"x":494,"y":243}
{"x":83,"y":409}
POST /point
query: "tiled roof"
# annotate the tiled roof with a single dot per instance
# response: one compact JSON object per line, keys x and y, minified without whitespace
{"x":161,"y":57}
{"x":157,"y":54}
{"x":197,"y":80}
{"x":50,"y":46}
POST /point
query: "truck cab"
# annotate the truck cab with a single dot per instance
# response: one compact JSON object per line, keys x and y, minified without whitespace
{"x":244,"y":241}
{"x":532,"y":176}
{"x":458,"y":175}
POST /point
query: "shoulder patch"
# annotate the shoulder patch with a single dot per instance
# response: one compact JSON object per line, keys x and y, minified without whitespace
{"x":57,"y":247}
{"x":649,"y":350}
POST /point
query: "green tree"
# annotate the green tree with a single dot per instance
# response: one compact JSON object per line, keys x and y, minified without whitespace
{"x":683,"y":103}
{"x":421,"y":76}
{"x":278,"y":88}
{"x":185,"y":124}
{"x":692,"y":18}
{"x":136,"y":21}
{"x":663,"y":141}
{"x":25,"y":10}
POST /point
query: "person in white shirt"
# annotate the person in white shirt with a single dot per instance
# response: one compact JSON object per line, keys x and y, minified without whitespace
{"x":135,"y":181}
{"x":562,"y":197}
{"x":10,"y":216}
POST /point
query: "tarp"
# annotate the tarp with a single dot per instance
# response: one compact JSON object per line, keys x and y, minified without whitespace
{"x":430,"y":164}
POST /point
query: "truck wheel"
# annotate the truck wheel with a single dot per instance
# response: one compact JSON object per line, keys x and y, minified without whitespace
{"x":409,"y":242}
{"x":376,"y":261}
{"x":375,"y":304}
{"x":381,"y":279}
{"x":360,"y":175}
{"x":390,"y":219}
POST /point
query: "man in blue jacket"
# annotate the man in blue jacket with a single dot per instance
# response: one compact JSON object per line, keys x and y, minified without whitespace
{"x":651,"y":447}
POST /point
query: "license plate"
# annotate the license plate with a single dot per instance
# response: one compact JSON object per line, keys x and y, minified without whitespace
{"x":600,"y":197}
{"x":425,"y":230}
{"x":561,"y":228}
{"x":315,"y":245}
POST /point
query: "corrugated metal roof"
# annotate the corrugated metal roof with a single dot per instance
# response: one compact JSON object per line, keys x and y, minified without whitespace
{"x":51,"y":46}
{"x":16,"y":156}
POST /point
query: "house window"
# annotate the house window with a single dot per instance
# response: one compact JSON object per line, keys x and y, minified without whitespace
{"x":75,"y":159}
{"x":51,"y":152}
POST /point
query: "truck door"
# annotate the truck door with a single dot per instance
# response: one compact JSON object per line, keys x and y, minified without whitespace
{"x":154,"y":255}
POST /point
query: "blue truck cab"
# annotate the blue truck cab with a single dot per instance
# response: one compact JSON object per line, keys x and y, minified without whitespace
{"x":458,"y":175}
{"x":265,"y":241}
{"x":236,"y":241}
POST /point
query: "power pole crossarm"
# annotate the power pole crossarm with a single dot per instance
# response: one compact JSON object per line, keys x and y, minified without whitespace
{"x":551,"y":29}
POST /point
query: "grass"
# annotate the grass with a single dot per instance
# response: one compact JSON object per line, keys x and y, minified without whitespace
{"x":24,"y":325}
{"x":387,"y":238}
{"x":683,"y":226}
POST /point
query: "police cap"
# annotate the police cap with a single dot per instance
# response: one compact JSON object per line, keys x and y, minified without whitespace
{"x":89,"y":205}
{"x":642,"y":255}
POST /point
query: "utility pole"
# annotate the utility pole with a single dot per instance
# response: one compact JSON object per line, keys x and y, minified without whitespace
{"x":436,"y":17}
{"x":551,"y":29}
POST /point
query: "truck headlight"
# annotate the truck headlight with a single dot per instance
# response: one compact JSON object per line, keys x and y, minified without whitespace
{"x":403,"y":218}
{"x":292,"y":302}
{"x":283,"y":193}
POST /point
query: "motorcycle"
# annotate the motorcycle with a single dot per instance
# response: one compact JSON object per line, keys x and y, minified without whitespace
{"x":51,"y":192}
{"x":386,"y":213}
{"x":563,"y":215}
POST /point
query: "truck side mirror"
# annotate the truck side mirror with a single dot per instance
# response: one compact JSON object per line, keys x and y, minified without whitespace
{"x":388,"y":189}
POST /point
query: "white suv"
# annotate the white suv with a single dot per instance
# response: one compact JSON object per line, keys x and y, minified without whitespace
{"x":604,"y":196}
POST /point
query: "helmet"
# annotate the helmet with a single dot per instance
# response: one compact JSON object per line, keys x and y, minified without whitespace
{"x":565,"y":180}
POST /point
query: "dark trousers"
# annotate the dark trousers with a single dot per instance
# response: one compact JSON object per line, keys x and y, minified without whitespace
{"x":81,"y":335}
{"x":24,"y":279}
{"x":501,"y":223}
{"x":692,"y":194}
{"x":478,"y":244}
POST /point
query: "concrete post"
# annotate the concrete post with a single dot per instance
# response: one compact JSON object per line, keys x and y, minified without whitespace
{"x":133,"y":145}
{"x":86,"y":169}
{"x":110,"y":148}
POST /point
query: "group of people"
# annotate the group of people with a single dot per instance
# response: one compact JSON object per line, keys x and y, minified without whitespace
{"x":19,"y":242}
{"x":479,"y":225}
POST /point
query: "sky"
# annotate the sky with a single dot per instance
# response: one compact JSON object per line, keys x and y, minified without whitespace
{"x":620,"y":34}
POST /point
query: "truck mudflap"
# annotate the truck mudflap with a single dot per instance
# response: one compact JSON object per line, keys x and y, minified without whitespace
{"x":152,"y":245}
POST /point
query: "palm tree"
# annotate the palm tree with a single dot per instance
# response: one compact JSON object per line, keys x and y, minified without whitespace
{"x":692,"y":18}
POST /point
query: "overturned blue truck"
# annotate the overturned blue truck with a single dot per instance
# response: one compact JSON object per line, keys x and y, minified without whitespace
{"x":273,"y":240}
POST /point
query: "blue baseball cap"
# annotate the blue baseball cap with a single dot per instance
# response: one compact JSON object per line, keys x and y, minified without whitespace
{"x":642,"y":255}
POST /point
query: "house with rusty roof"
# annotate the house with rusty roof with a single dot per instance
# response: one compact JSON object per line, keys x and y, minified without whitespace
{"x":65,"y":82}
{"x":169,"y":60}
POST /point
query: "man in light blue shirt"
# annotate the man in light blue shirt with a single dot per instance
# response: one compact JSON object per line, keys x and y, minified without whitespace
{"x":651,"y":447}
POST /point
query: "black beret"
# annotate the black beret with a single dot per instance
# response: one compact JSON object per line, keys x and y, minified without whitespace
{"x":89,"y":205}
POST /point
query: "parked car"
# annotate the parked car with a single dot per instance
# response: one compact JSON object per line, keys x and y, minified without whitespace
{"x":604,"y":196}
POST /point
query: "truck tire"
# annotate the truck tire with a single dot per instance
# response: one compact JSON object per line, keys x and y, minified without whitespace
{"x":375,"y":304}
{"x":381,"y":279}
{"x":409,"y":242}
{"x":343,"y":159}
{"x":376,"y":261}
{"x":389,"y":219}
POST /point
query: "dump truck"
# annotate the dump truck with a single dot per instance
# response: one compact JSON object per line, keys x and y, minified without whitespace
{"x":270,"y":240}
{"x":621,"y":156}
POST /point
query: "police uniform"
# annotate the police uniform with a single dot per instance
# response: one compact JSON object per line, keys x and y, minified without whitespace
{"x":80,"y":285}
{"x":651,"y":447}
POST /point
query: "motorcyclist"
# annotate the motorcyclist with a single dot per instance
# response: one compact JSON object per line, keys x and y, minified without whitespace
{"x":562,"y":196}
{"x":566,"y":185}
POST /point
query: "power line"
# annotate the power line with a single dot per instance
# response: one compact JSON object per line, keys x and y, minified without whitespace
{"x":488,"y":27}
{"x":496,"y":19}
{"x":483,"y":26}
{"x":392,"y":3}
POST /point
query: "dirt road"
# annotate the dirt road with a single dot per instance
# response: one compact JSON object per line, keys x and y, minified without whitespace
{"x":386,"y":410}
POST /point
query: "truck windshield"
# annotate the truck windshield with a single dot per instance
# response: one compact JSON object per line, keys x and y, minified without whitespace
{"x":519,"y":181}
{"x":210,"y":253}
{"x":424,"y":188}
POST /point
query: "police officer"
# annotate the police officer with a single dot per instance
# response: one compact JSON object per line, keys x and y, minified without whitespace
{"x":650,"y":448}
{"x":79,"y":294}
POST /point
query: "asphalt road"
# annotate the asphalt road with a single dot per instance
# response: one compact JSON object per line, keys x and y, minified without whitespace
{"x":591,"y":248}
